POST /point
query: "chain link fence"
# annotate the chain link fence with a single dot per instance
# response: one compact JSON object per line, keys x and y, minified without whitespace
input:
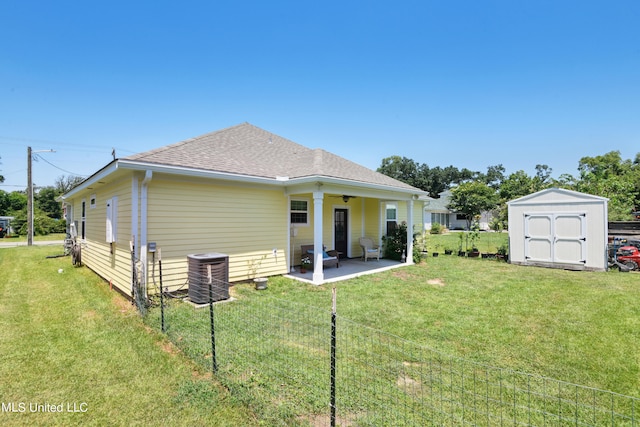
{"x":295,"y":364}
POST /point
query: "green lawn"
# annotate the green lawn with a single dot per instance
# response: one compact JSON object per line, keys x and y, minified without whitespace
{"x":575,"y":327}
{"x":488,"y":242}
{"x":579,"y":327}
{"x":45,"y":238}
{"x":66,"y":339}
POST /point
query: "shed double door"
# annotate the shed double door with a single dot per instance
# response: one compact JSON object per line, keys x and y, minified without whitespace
{"x":557,"y":238}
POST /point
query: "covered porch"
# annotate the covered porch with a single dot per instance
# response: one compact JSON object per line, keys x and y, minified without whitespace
{"x":330,"y":217}
{"x":349,"y":269}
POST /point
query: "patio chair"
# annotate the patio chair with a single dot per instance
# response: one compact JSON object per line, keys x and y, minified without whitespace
{"x":369,"y":249}
{"x":329,"y":258}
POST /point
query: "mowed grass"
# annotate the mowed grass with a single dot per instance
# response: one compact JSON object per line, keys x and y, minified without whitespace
{"x":488,"y":242}
{"x":67,"y":339}
{"x":68,"y":342}
{"x":578,"y":327}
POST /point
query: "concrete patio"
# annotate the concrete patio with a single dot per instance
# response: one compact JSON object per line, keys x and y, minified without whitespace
{"x":349,"y":269}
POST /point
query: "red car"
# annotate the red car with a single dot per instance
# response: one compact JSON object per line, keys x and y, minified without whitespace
{"x":629,"y":256}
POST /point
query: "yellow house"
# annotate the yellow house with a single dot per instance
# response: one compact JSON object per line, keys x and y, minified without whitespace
{"x":240,"y":191}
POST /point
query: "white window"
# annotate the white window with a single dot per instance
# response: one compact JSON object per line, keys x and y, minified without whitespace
{"x":83,"y":220}
{"x":440,"y":218}
{"x":92,"y":201}
{"x":299,"y":211}
{"x":391,"y":217}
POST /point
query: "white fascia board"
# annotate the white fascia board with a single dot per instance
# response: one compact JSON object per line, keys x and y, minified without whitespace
{"x":311,"y":181}
{"x":200,"y":173}
{"x":93,"y":179}
{"x":338,"y":185}
{"x":278,"y":181}
{"x":578,"y":197}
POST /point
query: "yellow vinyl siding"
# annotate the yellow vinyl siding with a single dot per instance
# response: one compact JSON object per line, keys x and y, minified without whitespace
{"x":199,"y":217}
{"x":418,"y":223}
{"x":111,"y":263}
{"x":372,"y":219}
{"x":359,"y":221}
{"x":355,"y":225}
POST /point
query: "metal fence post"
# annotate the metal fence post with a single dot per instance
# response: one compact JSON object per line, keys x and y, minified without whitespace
{"x":333,"y":357}
{"x":161,"y":291}
{"x":213,"y":329}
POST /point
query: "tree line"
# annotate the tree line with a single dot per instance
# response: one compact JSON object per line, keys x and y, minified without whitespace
{"x":607,"y":175}
{"x":47,"y":211}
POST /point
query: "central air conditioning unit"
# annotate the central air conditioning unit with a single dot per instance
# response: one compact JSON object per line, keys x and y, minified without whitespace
{"x":208,"y":270}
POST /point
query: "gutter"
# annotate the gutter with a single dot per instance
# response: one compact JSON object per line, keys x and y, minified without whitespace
{"x":280,"y":181}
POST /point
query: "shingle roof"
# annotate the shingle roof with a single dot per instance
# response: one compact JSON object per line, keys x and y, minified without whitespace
{"x":440,"y":204}
{"x":249,"y":150}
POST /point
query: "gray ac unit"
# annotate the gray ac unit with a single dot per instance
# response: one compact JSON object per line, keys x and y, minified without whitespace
{"x":208,"y":270}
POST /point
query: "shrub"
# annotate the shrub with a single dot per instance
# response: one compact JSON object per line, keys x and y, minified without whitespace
{"x":395,"y":244}
{"x":436,"y":228}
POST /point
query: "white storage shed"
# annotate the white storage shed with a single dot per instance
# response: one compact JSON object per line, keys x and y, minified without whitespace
{"x":559,"y":228}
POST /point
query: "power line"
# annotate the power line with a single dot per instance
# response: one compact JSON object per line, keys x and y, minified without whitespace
{"x":81,"y":147}
{"x":57,"y":167}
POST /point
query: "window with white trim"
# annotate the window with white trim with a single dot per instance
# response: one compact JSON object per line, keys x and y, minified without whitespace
{"x":92,"y":201}
{"x":83,"y":219}
{"x":299,"y":211}
{"x":391,"y":217}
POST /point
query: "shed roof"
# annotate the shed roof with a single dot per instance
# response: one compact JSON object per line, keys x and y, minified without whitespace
{"x":557,"y":195}
{"x":248,"y":150}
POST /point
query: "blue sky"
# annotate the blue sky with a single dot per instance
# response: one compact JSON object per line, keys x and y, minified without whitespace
{"x":463,"y":83}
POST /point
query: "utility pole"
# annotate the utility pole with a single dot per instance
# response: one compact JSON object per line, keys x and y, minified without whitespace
{"x":29,"y":200}
{"x":30,"y":194}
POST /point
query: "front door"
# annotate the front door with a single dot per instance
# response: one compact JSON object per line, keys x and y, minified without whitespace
{"x":341,"y":232}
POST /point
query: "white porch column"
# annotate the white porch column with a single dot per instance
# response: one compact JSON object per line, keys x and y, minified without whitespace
{"x":409,"y":232}
{"x":318,"y":274}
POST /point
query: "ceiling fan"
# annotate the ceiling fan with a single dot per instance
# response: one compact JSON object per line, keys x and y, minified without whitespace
{"x":345,"y":198}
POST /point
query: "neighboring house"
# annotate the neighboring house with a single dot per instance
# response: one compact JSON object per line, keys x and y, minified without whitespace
{"x":240,"y":191}
{"x":436,"y":211}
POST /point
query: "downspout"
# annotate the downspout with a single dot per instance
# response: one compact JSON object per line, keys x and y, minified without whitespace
{"x":409,"y":253}
{"x":135,"y":213}
{"x":143,"y":228}
{"x":290,"y":236}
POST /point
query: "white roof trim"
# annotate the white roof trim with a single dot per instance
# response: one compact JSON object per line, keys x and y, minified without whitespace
{"x":585,"y":198}
{"x":278,"y":181}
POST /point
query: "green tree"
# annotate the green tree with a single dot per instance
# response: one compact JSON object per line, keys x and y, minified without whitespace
{"x":400,"y":168}
{"x":516,"y":185}
{"x":4,"y":203}
{"x":17,"y":201}
{"x":42,"y":223}
{"x":420,"y":175}
{"x":494,"y":176}
{"x":471,"y":199}
{"x":45,"y":200}
{"x":612,"y":177}
{"x":65,"y":183}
